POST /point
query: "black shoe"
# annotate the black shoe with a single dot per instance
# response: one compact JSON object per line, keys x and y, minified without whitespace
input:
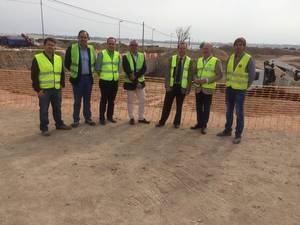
{"x":195,"y":127}
{"x":237,"y":140}
{"x":203,"y":130}
{"x":90,"y":122}
{"x":159,"y":125}
{"x":144,"y":121}
{"x":112,"y":120}
{"x":45,"y":133}
{"x":63,"y":127}
{"x":131,"y":121}
{"x":224,"y":133}
{"x":75,"y":124}
{"x":102,"y":122}
{"x":176,"y":126}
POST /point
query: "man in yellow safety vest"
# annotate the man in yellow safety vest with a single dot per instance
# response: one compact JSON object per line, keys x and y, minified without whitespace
{"x":209,"y":70}
{"x":178,"y":84}
{"x":134,"y":66}
{"x":48,"y":77}
{"x":108,"y":66}
{"x":240,"y":73}
{"x":80,"y":61}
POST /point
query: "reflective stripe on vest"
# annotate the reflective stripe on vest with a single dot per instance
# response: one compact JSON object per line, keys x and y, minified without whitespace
{"x":110,"y":67}
{"x":238,"y":78}
{"x":207,"y":70}
{"x":50,"y":74}
{"x":75,"y":59}
{"x":184,"y":80}
{"x":139,"y":64}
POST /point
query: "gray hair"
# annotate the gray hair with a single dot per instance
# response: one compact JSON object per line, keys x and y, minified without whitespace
{"x":206,"y":43}
{"x":133,"y":42}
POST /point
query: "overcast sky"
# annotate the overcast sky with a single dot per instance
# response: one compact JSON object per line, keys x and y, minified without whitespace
{"x":259,"y":21}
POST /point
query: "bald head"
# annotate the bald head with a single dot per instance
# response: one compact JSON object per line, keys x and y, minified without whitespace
{"x":206,"y":49}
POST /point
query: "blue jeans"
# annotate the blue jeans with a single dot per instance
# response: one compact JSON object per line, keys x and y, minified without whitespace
{"x":52,"y":96}
{"x":235,"y":98}
{"x":82,"y":90}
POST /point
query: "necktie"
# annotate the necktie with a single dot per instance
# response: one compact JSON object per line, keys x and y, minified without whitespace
{"x":179,"y":68}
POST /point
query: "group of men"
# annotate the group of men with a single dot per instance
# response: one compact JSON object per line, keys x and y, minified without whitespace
{"x":48,"y":77}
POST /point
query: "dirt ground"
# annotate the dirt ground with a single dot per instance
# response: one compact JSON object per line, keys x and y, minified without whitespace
{"x":142,"y":175}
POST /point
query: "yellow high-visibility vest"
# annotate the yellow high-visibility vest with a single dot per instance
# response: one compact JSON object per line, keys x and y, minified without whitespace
{"x":237,"y":78}
{"x":75,"y":59}
{"x":50,"y":74}
{"x":110,"y":67}
{"x":207,"y":70}
{"x":139,"y":64}
{"x":184,"y":77}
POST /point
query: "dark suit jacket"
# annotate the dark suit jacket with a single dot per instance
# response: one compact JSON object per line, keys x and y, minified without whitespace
{"x":137,"y":74}
{"x":68,"y":62}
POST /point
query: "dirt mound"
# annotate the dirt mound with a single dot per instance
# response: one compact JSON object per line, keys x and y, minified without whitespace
{"x":256,"y":52}
{"x":19,"y":59}
{"x":163,"y":59}
{"x":22,"y":58}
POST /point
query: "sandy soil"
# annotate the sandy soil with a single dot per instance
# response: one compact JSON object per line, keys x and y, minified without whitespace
{"x":142,"y":175}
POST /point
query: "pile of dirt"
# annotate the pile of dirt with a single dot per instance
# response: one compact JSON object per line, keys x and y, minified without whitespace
{"x":21,"y":58}
{"x":163,"y":59}
{"x":16,"y":59}
{"x":256,"y":52}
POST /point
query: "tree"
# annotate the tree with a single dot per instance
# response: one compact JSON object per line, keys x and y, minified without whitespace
{"x":183,"y":34}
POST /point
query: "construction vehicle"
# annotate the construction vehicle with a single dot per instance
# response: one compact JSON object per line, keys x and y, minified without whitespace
{"x":267,"y":75}
{"x":17,"y":41}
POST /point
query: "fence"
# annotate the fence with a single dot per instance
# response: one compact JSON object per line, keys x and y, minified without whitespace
{"x":266,"y":108}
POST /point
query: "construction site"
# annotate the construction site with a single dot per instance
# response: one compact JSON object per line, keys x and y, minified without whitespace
{"x":140,"y":174}
{"x":122,"y":174}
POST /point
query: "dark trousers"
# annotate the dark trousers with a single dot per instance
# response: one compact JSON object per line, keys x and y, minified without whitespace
{"x":203,"y":103}
{"x":108,"y":90}
{"x":235,"y":99}
{"x":52,"y":96}
{"x":82,"y":90}
{"x":169,"y":98}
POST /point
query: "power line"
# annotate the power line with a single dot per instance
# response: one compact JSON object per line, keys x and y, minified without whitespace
{"x":110,"y":17}
{"x":162,"y":33}
{"x":27,"y":2}
{"x":94,"y":12}
{"x":81,"y":17}
{"x":85,"y":18}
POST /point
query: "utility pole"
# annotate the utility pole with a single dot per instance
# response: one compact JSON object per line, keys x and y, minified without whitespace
{"x":153,"y":29}
{"x":143,"y":36}
{"x":42,"y":18}
{"x":120,"y":21}
{"x":171,"y":40}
